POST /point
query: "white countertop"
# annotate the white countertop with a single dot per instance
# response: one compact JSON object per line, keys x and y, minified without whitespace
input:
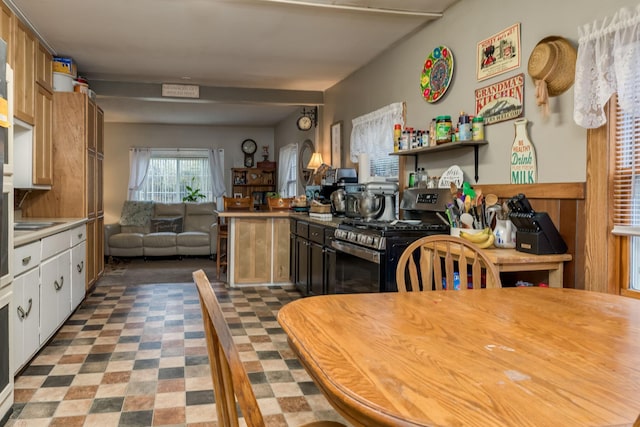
{"x":24,"y":237}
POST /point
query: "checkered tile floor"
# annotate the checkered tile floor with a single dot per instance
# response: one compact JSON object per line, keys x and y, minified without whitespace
{"x":136,"y":356}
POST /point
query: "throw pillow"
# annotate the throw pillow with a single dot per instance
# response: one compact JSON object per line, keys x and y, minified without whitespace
{"x":136,"y":213}
{"x":172,"y":225}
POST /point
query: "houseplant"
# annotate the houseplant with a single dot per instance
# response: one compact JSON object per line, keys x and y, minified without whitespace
{"x":193,"y":192}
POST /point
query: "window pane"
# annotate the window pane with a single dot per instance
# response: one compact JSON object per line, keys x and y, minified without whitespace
{"x":170,"y":172}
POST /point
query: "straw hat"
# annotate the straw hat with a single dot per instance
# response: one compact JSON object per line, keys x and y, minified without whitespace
{"x":553,"y":61}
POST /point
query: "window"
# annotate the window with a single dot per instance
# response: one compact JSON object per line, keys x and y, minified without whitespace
{"x":169,"y":173}
{"x":626,"y":190}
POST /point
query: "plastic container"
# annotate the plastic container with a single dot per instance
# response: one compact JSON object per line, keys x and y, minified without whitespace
{"x":464,"y":127}
{"x":62,"y":82}
{"x":63,"y":65}
{"x":443,"y":129}
{"x":477,"y":128}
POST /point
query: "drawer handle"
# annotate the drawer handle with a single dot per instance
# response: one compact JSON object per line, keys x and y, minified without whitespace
{"x":80,"y":266}
{"x":57,"y":285}
{"x":26,"y":260}
{"x":21,"y":313}
{"x":79,"y":235}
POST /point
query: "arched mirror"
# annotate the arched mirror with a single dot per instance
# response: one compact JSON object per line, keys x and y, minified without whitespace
{"x":304,"y":155}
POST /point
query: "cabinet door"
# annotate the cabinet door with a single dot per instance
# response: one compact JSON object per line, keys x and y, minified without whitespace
{"x":302,"y":265}
{"x":24,"y":77}
{"x":316,"y":269}
{"x":91,"y":184}
{"x":329,"y":267}
{"x":43,"y":139}
{"x":26,"y":321}
{"x":91,"y":126}
{"x":99,"y":130}
{"x":91,"y":254}
{"x":44,"y":67}
{"x":99,"y":247}
{"x":55,"y":274}
{"x":99,"y":185}
{"x":280,"y":265}
{"x":292,"y":258}
{"x":78,"y":273}
{"x":6,"y":30}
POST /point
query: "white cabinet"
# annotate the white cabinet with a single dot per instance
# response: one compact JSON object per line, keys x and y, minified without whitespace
{"x":49,"y":284}
{"x":78,"y":273}
{"x":26,"y":303}
{"x":26,"y":320}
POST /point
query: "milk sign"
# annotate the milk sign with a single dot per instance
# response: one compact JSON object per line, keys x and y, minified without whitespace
{"x":523,"y":156}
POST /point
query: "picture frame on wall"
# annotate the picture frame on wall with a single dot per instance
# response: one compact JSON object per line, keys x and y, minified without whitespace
{"x":336,"y":144}
{"x":499,"y":53}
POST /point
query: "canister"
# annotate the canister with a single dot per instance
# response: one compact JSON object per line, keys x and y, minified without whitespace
{"x":464,"y":127}
{"x":477,"y":128}
{"x":443,"y":129}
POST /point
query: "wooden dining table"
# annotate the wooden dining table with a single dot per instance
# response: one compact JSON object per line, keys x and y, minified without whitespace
{"x":528,"y":356}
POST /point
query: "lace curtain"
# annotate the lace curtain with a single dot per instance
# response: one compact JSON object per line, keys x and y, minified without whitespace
{"x":217,"y":167}
{"x":287,"y":160}
{"x":139,"y":159}
{"x":372,"y":133}
{"x":608,"y":58}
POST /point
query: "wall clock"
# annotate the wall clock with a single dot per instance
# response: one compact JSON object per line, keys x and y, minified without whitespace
{"x":249,"y":148}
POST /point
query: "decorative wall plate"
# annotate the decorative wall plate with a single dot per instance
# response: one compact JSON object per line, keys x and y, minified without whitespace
{"x":436,"y":74}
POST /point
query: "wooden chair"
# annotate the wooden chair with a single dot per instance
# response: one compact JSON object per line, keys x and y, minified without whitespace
{"x":230,"y":379}
{"x":279,"y":204}
{"x":230,"y":204}
{"x":420,"y":267}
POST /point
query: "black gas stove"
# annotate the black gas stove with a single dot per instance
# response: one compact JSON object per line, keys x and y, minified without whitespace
{"x":367,"y":252}
{"x":374,"y":234}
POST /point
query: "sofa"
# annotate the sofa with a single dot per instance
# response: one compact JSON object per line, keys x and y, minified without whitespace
{"x":150,"y":229}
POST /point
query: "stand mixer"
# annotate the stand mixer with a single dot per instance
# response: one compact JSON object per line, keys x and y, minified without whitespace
{"x":378,"y":201}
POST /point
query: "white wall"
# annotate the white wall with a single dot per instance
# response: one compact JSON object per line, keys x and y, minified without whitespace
{"x":394,"y":76}
{"x":119,"y":137}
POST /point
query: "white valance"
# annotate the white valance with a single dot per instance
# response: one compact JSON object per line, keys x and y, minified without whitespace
{"x":372,"y":133}
{"x":608,"y":59}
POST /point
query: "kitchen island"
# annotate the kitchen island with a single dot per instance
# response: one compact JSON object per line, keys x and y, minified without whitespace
{"x":257,"y":248}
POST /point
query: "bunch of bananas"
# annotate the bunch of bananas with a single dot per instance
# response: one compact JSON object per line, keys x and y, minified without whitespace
{"x":484,"y":239}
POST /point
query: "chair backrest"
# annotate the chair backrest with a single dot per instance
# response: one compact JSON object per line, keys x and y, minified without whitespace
{"x":238,"y":203}
{"x":445,"y":262}
{"x":279,"y":203}
{"x":230,"y":379}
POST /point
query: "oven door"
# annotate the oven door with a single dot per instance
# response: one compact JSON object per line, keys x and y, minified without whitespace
{"x":358,"y":269}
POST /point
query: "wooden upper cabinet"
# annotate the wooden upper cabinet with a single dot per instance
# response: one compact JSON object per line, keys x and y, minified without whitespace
{"x":24,"y":73}
{"x":44,"y":67}
{"x":43,"y":138}
{"x":99,"y":130}
{"x":6,"y":30}
{"x":91,"y":126}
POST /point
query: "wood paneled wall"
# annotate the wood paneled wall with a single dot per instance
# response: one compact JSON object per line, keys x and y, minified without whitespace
{"x":565,"y":204}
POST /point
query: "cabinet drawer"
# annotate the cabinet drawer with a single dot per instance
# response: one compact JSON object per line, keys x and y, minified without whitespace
{"x":26,"y":257}
{"x":302,"y":229}
{"x":78,"y":234}
{"x":316,"y":233}
{"x":55,"y":244}
{"x":329,"y":235}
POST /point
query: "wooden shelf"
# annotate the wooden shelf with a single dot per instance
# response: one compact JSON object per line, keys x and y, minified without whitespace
{"x":447,"y":146}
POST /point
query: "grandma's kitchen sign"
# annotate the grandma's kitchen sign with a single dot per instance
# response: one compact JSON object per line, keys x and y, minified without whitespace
{"x":501,"y":101}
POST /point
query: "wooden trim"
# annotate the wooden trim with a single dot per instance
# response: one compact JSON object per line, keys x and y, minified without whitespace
{"x":599,"y":248}
{"x":560,"y":190}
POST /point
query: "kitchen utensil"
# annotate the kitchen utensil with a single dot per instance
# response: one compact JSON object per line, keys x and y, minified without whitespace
{"x":491,"y":199}
{"x":370,"y":205}
{"x":467,"y":219}
{"x":467,"y":203}
{"x":338,"y":202}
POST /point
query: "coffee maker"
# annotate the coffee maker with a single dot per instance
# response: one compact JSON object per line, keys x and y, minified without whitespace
{"x":386,"y":192}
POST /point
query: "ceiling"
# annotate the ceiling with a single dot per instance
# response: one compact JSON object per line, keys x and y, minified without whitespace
{"x":255,"y":61}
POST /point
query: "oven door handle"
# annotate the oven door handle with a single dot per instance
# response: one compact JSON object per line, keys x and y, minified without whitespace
{"x":357,"y":251}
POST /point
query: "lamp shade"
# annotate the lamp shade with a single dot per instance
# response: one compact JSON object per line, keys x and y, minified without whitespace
{"x":315,"y":162}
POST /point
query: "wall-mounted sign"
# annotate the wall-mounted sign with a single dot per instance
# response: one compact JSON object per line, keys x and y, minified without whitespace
{"x":499,"y":53}
{"x":501,"y":101}
{"x":523,"y":156}
{"x":181,"y":91}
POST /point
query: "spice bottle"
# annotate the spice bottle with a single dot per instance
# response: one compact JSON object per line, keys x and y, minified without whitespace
{"x":477,"y":128}
{"x":464,"y":127}
{"x":397,"y":134}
